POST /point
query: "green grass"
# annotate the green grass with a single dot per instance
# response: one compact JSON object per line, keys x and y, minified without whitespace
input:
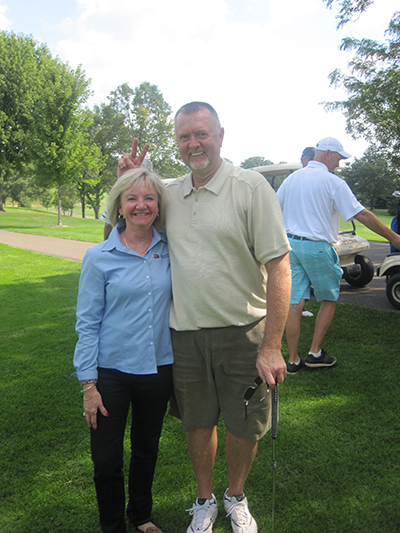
{"x":39,"y":221}
{"x":365,"y":232}
{"x":338,"y":453}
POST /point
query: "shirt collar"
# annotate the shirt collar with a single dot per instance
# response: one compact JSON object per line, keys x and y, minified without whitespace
{"x":114,"y":242}
{"x":316,"y":164}
{"x":215,"y":184}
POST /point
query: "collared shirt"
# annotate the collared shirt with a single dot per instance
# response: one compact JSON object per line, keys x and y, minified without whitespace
{"x":312,"y":200}
{"x":220,"y":237}
{"x":123,"y":308}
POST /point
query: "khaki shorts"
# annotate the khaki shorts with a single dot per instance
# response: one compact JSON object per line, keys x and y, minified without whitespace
{"x":212,"y":369}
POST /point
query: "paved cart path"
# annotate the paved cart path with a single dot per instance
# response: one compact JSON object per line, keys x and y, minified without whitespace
{"x":46,"y":245}
{"x":373,"y":295}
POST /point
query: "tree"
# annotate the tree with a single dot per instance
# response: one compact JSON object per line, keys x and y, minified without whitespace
{"x":370,"y":177}
{"x":255,"y":161}
{"x":106,"y":132}
{"x":372,"y":109}
{"x":349,"y":8}
{"x":20,"y":60}
{"x":20,"y":187}
{"x":59,"y":141}
{"x":147,"y":117}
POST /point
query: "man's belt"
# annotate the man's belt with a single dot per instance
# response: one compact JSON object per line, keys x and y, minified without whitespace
{"x":298,"y":238}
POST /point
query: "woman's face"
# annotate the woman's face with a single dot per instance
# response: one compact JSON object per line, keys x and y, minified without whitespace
{"x":139,"y":205}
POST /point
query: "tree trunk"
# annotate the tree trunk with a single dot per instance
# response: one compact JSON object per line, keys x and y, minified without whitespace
{"x":59,"y":204}
{"x":1,"y":193}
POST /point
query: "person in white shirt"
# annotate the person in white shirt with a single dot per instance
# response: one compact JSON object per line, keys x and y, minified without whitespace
{"x":312,"y":200}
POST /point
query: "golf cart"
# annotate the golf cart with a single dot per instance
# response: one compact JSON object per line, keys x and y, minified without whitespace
{"x":391,"y":266}
{"x":358,"y":270}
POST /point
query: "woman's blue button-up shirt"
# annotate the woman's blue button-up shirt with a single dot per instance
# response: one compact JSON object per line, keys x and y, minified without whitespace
{"x":123,"y":308}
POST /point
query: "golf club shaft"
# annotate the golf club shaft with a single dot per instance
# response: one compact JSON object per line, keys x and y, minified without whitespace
{"x":274,"y":433}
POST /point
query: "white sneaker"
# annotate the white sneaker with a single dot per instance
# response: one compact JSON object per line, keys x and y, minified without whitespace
{"x":204,"y":516}
{"x":238,"y":511}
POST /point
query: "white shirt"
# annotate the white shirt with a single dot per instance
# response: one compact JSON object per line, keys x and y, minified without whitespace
{"x":312,"y":200}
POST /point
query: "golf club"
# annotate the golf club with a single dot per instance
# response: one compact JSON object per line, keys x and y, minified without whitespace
{"x":274,"y":433}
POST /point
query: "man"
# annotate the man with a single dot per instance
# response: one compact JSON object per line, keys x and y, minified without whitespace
{"x":227,"y":246}
{"x":312,"y":200}
{"x":307,"y":155}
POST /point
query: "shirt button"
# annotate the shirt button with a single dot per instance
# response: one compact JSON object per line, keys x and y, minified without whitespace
{"x":150,"y":310}
{"x":151,"y":344}
{"x":149,"y":327}
{"x":145,"y":261}
{"x":149,"y":293}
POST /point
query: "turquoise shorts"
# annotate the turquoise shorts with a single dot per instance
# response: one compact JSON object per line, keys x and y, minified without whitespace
{"x":316,"y":264}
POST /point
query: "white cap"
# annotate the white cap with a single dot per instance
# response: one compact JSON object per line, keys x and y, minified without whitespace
{"x":329,"y":143}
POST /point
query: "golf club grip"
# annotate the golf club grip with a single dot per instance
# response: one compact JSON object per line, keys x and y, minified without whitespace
{"x":274,"y":415}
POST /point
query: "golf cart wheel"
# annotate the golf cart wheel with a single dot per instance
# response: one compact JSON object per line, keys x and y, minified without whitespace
{"x":393,"y":290}
{"x":364,"y":276}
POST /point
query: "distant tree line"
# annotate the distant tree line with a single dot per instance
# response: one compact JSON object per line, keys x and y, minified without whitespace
{"x":53,"y":147}
{"x":372,"y":109}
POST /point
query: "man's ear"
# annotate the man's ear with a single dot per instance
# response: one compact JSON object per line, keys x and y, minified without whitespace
{"x":221,"y":136}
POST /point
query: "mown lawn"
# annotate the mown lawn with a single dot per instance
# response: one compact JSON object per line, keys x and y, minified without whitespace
{"x":39,"y":221}
{"x":338,"y":453}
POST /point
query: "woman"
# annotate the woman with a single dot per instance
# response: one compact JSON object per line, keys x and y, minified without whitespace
{"x":123,"y":356}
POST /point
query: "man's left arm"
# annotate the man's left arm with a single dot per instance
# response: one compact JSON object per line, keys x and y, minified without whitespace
{"x":374,"y":224}
{"x":270,"y":363}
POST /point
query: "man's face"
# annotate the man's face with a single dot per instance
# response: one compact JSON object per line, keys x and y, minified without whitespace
{"x":333,"y":160}
{"x":199,"y":140}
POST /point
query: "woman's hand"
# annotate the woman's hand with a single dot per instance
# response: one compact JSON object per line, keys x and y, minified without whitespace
{"x":91,"y":403}
{"x":130,"y":161}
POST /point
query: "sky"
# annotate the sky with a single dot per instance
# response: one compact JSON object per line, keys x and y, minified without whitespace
{"x":262,"y":64}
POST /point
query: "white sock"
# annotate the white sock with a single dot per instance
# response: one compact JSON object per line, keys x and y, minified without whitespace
{"x":316,"y":354}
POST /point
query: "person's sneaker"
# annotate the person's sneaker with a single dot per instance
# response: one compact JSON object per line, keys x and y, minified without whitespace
{"x":204,"y":516}
{"x":323,"y":360}
{"x":238,"y":511}
{"x":292,"y":368}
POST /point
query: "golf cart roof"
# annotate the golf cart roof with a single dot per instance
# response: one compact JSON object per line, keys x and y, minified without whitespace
{"x":275,"y":171}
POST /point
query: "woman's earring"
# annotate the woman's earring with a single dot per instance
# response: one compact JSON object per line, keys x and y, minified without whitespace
{"x":120,"y":217}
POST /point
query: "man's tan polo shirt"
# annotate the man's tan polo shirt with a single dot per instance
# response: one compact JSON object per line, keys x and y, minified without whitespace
{"x":219,"y":238}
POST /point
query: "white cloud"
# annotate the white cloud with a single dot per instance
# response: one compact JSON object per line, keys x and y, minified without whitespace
{"x":263,"y":65}
{"x":5,"y":22}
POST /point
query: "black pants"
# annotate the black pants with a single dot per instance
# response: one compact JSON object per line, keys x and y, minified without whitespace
{"x":148,"y":395}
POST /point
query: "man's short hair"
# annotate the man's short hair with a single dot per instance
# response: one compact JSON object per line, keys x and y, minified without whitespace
{"x":308,"y":152}
{"x":194,"y":107}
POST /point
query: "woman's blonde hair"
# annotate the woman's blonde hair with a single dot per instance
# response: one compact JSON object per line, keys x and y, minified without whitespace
{"x":137,"y":176}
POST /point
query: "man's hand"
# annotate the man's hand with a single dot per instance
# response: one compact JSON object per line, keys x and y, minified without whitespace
{"x":130,"y":161}
{"x":396,"y":242}
{"x":271,"y":365}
